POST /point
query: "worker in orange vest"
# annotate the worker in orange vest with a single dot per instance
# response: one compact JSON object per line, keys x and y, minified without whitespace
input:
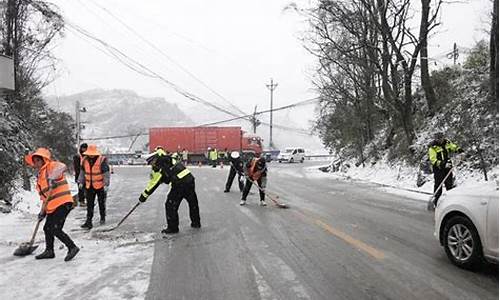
{"x":95,"y":178}
{"x":56,"y":199}
{"x":256,"y":171}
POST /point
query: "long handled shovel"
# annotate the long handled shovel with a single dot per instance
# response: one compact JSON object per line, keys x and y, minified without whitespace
{"x":28,"y":247}
{"x":430,"y":203}
{"x":122,"y":220}
{"x":273,"y":199}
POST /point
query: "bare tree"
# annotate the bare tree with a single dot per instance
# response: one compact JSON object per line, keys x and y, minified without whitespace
{"x":424,"y":55}
{"x":493,"y":89}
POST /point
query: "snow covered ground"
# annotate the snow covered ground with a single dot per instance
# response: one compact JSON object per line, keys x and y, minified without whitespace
{"x":109,"y":266}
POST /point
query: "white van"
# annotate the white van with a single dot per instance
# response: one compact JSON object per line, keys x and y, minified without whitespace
{"x":292,"y":154}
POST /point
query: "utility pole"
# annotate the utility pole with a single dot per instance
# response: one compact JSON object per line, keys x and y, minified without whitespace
{"x":271,"y":88}
{"x":78,"y":125}
{"x":454,"y":54}
{"x":254,"y":120}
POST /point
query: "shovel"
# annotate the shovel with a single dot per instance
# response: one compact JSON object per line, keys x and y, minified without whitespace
{"x":28,"y":247}
{"x":120,"y":223}
{"x":430,"y":203}
{"x":274,"y":199}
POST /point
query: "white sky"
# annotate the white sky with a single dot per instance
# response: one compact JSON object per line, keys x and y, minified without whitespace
{"x":234,"y":47}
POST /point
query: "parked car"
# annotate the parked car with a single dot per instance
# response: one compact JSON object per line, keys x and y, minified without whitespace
{"x":467,"y":225}
{"x":292,"y":154}
{"x":270,"y":155}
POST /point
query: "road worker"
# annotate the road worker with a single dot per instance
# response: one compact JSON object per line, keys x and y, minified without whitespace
{"x":255,"y":171}
{"x":236,"y":167}
{"x":95,"y":178}
{"x":439,"y":155}
{"x":77,"y":163}
{"x":56,"y":199}
{"x":168,"y":170}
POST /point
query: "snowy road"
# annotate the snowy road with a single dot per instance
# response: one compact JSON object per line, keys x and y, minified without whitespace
{"x":338,"y":240}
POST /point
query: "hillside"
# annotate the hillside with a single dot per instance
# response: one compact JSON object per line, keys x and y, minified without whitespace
{"x":120,"y":112}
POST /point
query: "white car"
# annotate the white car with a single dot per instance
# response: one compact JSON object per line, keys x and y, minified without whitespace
{"x":467,"y":225}
{"x":294,"y":154}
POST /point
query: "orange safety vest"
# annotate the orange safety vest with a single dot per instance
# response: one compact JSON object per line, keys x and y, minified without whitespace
{"x":59,"y":194}
{"x":93,"y":176}
{"x":255,"y":175}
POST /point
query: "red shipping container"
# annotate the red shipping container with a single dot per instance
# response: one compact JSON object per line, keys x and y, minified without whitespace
{"x":196,"y":140}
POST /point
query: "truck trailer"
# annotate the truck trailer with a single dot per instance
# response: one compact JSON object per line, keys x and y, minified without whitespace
{"x":197,"y":140}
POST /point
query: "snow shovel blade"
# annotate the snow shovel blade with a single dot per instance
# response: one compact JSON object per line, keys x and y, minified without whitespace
{"x":25,"y":249}
{"x":106,"y":229}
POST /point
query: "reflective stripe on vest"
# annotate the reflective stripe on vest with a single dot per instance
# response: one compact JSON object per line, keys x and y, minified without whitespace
{"x":183,"y":173}
{"x":93,"y":176}
{"x":59,"y":193}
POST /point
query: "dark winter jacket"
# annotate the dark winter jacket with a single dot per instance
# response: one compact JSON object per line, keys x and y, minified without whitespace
{"x":167,"y":170}
{"x":237,"y":164}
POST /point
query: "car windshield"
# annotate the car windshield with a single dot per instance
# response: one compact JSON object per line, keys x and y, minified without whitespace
{"x":288,"y":150}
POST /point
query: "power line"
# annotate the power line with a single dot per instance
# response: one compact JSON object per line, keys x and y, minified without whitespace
{"x":165,"y":55}
{"x":145,"y":71}
{"x":300,"y":103}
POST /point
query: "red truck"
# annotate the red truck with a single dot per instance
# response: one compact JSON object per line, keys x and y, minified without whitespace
{"x":196,"y":140}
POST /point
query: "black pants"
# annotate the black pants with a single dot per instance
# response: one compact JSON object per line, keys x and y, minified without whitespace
{"x":54,"y":227}
{"x":230,"y":178}
{"x":81,"y":195}
{"x":184,"y":190}
{"x":261,"y":182}
{"x":90,"y":194}
{"x":439,"y":175}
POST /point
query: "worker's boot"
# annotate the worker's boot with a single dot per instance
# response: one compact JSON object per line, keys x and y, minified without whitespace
{"x":71,"y":253}
{"x":243,"y":202}
{"x":170,"y":230}
{"x":87,"y":225}
{"x":263,"y":203}
{"x":46,"y":254}
{"x":195,"y":224}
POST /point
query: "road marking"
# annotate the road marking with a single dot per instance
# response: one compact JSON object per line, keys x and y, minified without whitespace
{"x":378,"y":254}
{"x":264,"y":288}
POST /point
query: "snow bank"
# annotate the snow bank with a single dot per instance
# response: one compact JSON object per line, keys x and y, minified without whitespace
{"x":400,"y":180}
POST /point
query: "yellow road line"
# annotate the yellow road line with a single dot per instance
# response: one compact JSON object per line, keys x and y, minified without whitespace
{"x":352,"y":241}
{"x":378,"y":254}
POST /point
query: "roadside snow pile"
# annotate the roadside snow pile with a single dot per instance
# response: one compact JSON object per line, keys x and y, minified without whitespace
{"x":405,"y":177}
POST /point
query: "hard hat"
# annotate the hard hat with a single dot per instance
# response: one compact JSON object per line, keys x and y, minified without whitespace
{"x":44,"y":153}
{"x":209,"y":148}
{"x":92,"y":151}
{"x":235,"y":154}
{"x":152,"y":156}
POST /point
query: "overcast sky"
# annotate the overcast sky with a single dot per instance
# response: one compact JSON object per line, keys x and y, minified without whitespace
{"x":233,"y":47}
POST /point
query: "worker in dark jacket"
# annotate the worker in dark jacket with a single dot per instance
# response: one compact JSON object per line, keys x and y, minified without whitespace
{"x":439,"y":155}
{"x":167,"y":170}
{"x":95,"y":178}
{"x":236,"y":167}
{"x":77,"y":163}
{"x":256,"y":171}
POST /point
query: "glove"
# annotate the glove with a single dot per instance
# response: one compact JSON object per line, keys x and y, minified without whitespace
{"x":448,"y":165}
{"x":41,"y":215}
{"x":106,"y":188}
{"x":80,"y":186}
{"x":142,"y":198}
